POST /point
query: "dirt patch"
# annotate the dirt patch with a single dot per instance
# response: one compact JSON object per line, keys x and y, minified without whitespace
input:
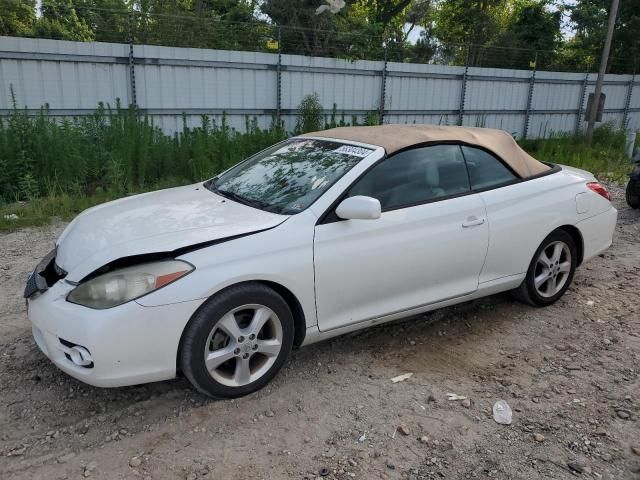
{"x":570,"y":373}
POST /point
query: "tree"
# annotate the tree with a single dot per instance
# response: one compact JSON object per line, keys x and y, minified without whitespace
{"x":99,"y":20}
{"x":60,"y":21}
{"x":107,"y":19}
{"x":497,"y":33}
{"x":532,"y":25}
{"x":305,"y":32}
{"x":219,"y":24}
{"x":394,"y":20}
{"x":385,"y":14}
{"x":359,"y":30}
{"x":468,"y":22}
{"x":590,"y":20}
{"x":228,"y":10}
{"x":232,"y":24}
{"x":532,"y":31}
{"x":18,"y":17}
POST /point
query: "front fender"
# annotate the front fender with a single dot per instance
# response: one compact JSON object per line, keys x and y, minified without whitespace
{"x":282,"y":255}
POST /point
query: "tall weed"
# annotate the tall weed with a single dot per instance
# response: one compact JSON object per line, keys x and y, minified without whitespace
{"x":59,"y":167}
{"x":114,"y":150}
{"x":604,"y":157}
{"x":310,"y":114}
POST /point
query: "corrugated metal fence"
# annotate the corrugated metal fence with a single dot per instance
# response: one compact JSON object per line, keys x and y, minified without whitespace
{"x":170,"y":83}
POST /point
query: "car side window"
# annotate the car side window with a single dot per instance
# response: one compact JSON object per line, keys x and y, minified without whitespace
{"x":415,"y":176}
{"x":485,"y":170}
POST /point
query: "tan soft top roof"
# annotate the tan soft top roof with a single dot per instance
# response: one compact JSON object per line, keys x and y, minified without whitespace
{"x":396,"y":137}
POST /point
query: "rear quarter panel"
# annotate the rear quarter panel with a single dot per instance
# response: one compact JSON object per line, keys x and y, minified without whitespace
{"x":520,"y":216}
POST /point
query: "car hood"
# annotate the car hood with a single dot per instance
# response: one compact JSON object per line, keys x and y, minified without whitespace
{"x":155,"y":222}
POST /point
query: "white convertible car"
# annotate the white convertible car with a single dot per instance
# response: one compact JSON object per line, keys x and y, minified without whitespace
{"x":317,"y":236}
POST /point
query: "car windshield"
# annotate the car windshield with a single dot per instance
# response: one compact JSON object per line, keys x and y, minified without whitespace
{"x":290,"y":176}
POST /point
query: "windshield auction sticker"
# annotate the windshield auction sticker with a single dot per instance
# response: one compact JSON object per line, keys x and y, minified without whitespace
{"x":353,"y":150}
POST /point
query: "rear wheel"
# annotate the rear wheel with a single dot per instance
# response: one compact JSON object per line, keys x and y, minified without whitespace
{"x":633,"y":199}
{"x":237,"y":341}
{"x":551,"y":270}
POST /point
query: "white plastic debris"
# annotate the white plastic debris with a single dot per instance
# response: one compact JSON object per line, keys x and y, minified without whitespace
{"x":502,"y":412}
{"x":453,"y":397}
{"x":590,"y":303}
{"x":401,"y":378}
{"x":334,"y":6}
{"x":11,"y":216}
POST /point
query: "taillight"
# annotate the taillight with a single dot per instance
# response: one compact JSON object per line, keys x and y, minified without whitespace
{"x":599,"y":189}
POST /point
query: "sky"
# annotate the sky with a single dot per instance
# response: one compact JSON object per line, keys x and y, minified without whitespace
{"x":415,"y":33}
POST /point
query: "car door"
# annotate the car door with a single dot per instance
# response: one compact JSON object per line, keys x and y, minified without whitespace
{"x":520,"y":213}
{"x":428,"y":245}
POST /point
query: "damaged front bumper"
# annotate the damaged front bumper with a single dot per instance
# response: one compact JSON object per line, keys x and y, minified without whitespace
{"x":126,"y":345}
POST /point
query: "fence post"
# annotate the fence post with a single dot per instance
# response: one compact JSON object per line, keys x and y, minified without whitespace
{"x":463,"y":88}
{"x":383,"y":86}
{"x":132,"y":68}
{"x":279,"y":79}
{"x":583,"y":92}
{"x":627,"y":103}
{"x":532,"y":84}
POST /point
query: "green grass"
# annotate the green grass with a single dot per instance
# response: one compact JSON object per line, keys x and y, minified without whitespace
{"x":64,"y":206}
{"x":604,"y":157}
{"x":51,"y":168}
{"x":117,"y":151}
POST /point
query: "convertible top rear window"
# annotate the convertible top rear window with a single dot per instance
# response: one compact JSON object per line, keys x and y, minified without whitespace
{"x":290,"y":176}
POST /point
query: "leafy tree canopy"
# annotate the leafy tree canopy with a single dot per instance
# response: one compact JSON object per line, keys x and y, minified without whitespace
{"x":17,"y":17}
{"x":496,"y":33}
{"x":590,"y":20}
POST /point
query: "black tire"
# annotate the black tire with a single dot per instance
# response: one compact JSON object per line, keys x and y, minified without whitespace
{"x":196,"y":334}
{"x":527,"y":291}
{"x":632,"y":199}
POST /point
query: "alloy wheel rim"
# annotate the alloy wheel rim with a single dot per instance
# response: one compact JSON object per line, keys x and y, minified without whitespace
{"x":552,"y":269}
{"x":243,"y":345}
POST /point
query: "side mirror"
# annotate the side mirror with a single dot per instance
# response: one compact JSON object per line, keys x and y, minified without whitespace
{"x":359,"y":208}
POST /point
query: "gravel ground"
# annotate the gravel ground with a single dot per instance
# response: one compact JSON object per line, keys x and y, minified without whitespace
{"x":570,"y":373}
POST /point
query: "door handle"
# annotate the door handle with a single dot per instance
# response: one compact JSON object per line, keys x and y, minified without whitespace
{"x":473,"y":222}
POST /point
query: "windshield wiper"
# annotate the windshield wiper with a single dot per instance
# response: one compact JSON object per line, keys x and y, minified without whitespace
{"x":240,"y":199}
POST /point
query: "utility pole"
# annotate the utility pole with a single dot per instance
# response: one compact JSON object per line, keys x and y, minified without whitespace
{"x":603,"y":67}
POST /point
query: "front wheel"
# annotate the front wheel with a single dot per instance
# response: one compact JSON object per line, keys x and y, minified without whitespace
{"x":237,"y":341}
{"x":551,"y":270}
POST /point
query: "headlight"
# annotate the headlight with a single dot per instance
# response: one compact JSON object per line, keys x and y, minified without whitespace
{"x":126,"y":284}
